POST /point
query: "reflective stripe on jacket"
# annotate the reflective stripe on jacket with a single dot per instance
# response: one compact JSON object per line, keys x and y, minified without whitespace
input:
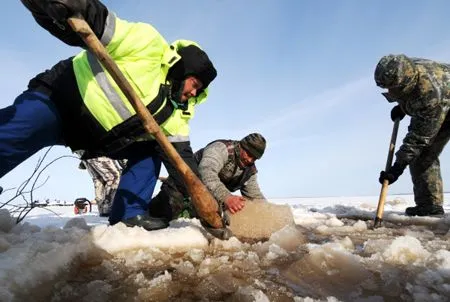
{"x":145,"y":63}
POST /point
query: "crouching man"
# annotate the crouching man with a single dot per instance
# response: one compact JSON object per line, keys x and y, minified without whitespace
{"x":225,"y":166}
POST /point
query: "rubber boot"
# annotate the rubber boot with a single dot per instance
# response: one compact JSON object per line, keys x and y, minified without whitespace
{"x":425,"y":210}
{"x":147,"y":222}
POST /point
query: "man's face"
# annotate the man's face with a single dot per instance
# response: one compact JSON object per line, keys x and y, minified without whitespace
{"x":191,"y":87}
{"x":246,"y":158}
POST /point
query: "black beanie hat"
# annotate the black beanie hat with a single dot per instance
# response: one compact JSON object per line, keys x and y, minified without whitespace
{"x":195,"y":62}
{"x":255,"y":144}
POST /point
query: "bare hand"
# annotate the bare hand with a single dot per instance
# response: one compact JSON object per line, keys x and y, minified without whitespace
{"x":234,"y":203}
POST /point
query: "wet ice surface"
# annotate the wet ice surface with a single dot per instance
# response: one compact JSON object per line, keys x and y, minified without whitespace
{"x":331,"y":254}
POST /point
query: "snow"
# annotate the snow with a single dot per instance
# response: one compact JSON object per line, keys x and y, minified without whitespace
{"x":55,"y":255}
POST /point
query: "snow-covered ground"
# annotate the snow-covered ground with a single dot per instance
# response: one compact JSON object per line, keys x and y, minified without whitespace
{"x":331,"y":254}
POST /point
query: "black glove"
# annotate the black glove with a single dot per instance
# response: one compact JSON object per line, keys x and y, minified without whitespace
{"x":60,"y":10}
{"x":392,"y":174}
{"x":82,"y":166}
{"x":397,"y":113}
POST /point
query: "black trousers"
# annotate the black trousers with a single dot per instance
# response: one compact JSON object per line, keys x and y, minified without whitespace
{"x":169,"y":202}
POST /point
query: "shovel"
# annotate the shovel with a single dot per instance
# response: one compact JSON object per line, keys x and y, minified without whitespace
{"x":384,"y":187}
{"x":205,"y":204}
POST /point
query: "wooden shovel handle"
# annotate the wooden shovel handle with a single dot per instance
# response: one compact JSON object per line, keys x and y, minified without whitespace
{"x":205,"y":204}
{"x":385,"y":184}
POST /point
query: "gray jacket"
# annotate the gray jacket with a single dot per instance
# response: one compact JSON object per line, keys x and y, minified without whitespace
{"x":220,"y":172}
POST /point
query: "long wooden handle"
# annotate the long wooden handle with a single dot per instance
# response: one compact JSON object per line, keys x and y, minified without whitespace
{"x":205,"y":204}
{"x":385,"y":184}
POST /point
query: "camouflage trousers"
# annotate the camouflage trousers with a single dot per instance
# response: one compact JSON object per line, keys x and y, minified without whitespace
{"x":105,"y":174}
{"x":426,"y":171}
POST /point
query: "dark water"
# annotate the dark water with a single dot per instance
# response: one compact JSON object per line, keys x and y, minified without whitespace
{"x":349,"y":262}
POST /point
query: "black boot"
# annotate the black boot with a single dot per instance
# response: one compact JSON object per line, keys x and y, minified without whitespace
{"x":147,"y":222}
{"x":159,"y":206}
{"x":425,"y":210}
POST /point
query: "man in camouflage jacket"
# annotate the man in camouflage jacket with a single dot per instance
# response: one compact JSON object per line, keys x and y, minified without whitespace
{"x":421,"y":89}
{"x":105,"y":173}
{"x":225,"y":166}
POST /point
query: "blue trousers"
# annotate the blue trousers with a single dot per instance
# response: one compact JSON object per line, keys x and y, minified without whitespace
{"x":33,"y":122}
{"x":28,"y":125}
{"x":136,"y":186}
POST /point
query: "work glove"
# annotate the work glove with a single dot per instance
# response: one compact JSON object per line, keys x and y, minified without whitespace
{"x":392,"y":174}
{"x":61,"y":10}
{"x":397,"y":113}
{"x":82,"y":166}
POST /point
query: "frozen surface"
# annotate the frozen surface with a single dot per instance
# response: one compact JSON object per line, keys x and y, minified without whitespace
{"x":331,"y":253}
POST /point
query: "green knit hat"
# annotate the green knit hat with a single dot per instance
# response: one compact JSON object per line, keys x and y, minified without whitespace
{"x":254,"y":144}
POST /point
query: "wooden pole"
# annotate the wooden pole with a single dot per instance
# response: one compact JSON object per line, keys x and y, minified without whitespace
{"x":204,"y":203}
{"x":385,"y":185}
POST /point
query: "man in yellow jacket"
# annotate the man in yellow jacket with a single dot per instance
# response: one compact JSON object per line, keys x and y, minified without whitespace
{"x":77,"y":104}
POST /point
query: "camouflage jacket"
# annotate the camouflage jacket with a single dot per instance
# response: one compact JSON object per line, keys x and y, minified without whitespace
{"x":427,"y":104}
{"x":221,"y":173}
